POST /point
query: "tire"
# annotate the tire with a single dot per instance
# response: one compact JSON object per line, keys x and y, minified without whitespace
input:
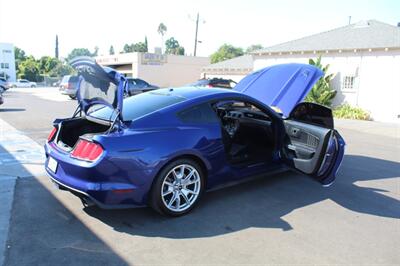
{"x":73,"y":97}
{"x":184,"y":193}
{"x":33,"y":86}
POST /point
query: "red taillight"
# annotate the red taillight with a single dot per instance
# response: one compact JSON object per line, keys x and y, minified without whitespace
{"x":86,"y":150}
{"x":52,"y":134}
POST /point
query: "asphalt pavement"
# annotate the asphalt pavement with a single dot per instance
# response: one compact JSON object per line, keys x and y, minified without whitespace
{"x":281,"y":219}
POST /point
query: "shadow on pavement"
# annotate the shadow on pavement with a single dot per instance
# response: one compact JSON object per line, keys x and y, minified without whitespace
{"x":44,"y":232}
{"x":263,"y":202}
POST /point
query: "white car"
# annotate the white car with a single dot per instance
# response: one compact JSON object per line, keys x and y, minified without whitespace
{"x":21,"y":83}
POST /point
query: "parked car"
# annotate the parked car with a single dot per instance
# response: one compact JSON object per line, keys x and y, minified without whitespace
{"x":68,"y":86}
{"x":1,"y":98}
{"x":136,"y":86}
{"x":21,"y":83}
{"x":215,"y":83}
{"x":3,"y":86}
{"x":164,"y":148}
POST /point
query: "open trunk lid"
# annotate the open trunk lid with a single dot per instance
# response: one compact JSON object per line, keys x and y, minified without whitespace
{"x":98,"y":85}
{"x":282,"y":86}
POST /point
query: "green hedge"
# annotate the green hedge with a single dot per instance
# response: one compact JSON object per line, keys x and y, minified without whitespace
{"x":349,"y":112}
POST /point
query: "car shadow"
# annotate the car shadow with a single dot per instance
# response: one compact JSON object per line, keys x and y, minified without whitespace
{"x":263,"y":202}
{"x":12,"y":109}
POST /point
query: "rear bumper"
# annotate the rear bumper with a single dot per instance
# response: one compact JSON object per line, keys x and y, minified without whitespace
{"x":87,"y":199}
{"x":84,"y":180}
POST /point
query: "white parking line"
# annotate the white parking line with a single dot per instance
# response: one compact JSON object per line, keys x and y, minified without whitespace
{"x":19,"y":155}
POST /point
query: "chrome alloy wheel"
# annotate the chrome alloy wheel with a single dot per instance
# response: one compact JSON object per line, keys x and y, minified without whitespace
{"x":180,"y":188}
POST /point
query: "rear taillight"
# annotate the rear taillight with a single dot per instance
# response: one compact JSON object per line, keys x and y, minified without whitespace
{"x":52,"y":134}
{"x":87,"y":150}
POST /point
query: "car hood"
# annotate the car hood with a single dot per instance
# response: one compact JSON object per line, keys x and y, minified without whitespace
{"x":282,"y":86}
{"x":98,"y":85}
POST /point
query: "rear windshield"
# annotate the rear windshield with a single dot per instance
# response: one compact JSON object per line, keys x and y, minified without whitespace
{"x":73,"y":79}
{"x":138,"y":106}
{"x":65,"y":79}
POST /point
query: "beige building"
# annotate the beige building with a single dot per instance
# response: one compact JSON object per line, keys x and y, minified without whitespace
{"x":163,"y":70}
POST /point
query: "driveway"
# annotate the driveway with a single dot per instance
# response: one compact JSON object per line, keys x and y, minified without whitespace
{"x":282,"y":219}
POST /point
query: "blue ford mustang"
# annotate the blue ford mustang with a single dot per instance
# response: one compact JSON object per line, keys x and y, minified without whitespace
{"x":166,"y":147}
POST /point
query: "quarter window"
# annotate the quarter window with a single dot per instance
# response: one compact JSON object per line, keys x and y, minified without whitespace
{"x":198,"y":114}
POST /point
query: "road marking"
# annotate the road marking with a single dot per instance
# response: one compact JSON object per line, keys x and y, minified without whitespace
{"x":19,"y":155}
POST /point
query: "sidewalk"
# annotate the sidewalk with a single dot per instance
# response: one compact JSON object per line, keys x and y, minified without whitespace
{"x":20,"y":157}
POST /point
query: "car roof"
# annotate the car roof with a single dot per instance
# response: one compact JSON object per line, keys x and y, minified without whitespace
{"x":192,"y":92}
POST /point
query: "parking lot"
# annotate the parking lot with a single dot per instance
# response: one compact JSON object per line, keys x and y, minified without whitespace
{"x":281,"y":219}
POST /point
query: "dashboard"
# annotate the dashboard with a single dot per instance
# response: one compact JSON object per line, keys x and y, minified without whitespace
{"x":235,"y":117}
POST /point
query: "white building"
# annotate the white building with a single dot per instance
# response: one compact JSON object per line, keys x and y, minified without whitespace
{"x":7,"y":61}
{"x":163,"y":70}
{"x":365,"y":58}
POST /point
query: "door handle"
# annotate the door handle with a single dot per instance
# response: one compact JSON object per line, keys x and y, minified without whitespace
{"x":295,"y":132}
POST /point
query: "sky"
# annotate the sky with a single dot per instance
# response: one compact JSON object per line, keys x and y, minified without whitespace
{"x":33,"y":24}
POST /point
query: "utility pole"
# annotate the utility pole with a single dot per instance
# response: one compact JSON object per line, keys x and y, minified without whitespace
{"x":195,"y":37}
{"x":56,"y":46}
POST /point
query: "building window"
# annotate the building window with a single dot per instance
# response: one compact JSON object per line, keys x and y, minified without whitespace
{"x":7,"y":51}
{"x":2,"y":65}
{"x":348,"y":83}
{"x":6,"y":66}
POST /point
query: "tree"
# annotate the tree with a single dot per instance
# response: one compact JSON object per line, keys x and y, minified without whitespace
{"x":61,"y":69}
{"x":162,"y":29}
{"x":20,"y":56}
{"x":96,"y":51}
{"x":139,"y":47}
{"x":56,"y":52}
{"x":81,"y":52}
{"x":29,"y":69}
{"x":46,"y":64}
{"x":135,"y":47}
{"x":172,"y":47}
{"x":322,"y":92}
{"x":226,"y":52}
{"x":111,"y":51}
{"x":146,"y":44}
{"x":254,"y":47}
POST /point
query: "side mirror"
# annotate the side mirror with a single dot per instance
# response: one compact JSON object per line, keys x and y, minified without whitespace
{"x":313,"y":113}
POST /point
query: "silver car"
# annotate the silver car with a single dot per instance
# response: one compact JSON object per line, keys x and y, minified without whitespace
{"x":21,"y":83}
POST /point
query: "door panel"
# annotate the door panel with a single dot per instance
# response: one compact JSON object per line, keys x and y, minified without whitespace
{"x":305,"y":146}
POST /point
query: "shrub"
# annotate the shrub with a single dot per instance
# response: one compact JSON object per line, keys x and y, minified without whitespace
{"x":349,"y":112}
{"x":322,"y":92}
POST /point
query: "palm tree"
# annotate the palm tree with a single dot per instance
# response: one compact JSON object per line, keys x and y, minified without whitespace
{"x":161,"y":30}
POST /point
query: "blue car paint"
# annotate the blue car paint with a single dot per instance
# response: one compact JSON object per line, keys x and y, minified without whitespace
{"x":135,"y":154}
{"x":282,"y":86}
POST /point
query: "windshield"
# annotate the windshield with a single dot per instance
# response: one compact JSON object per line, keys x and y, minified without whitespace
{"x":138,"y":106}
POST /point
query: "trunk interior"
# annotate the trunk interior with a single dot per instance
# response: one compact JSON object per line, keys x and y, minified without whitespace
{"x":73,"y":128}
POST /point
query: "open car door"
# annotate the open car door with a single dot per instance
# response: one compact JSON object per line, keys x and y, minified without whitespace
{"x":311,"y":144}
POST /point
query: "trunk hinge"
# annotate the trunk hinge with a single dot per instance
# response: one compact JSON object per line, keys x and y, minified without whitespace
{"x":117,"y":119}
{"x":77,"y":111}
